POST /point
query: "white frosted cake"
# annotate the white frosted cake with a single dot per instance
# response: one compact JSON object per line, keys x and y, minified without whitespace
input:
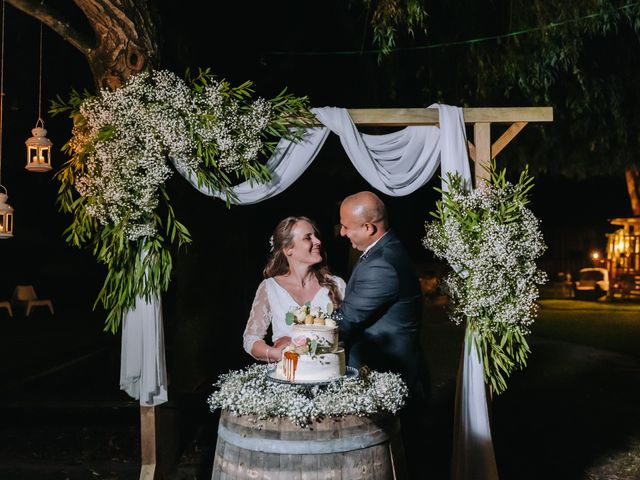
{"x":313,"y":356}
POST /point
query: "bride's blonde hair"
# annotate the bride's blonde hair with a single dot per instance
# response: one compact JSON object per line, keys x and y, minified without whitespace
{"x":277,"y":262}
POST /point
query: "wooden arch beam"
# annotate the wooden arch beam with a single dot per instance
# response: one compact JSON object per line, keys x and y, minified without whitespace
{"x":404,"y":117}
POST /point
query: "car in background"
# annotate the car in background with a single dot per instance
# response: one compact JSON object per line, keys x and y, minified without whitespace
{"x":592,"y":283}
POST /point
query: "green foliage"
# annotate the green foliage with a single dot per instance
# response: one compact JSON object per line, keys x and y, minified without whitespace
{"x":502,"y":352}
{"x":577,"y":56}
{"x":289,"y":318}
{"x":578,"y":61}
{"x":389,"y":16}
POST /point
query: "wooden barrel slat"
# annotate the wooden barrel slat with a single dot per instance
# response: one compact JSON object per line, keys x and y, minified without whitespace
{"x":310,"y":466}
{"x":332,"y":449}
{"x":272,"y":466}
{"x":255,"y":466}
{"x":328,"y":465}
{"x":221,"y":459}
{"x":229,"y":460}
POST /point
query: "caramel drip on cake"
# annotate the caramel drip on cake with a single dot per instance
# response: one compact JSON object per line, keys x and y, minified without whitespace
{"x":290,"y":365}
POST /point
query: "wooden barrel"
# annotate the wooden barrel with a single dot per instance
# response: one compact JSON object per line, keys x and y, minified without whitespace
{"x":340,"y":448}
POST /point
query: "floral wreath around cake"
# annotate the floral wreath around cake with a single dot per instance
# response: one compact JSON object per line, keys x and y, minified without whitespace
{"x":249,"y":392}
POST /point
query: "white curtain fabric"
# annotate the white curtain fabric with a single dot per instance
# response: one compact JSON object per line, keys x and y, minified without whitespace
{"x":473,"y":456}
{"x":396,"y":164}
{"x":143,"y":372}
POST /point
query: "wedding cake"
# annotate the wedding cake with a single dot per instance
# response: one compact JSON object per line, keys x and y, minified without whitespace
{"x":313,"y":356}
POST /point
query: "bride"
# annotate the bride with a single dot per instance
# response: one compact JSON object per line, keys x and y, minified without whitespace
{"x":296,"y":273}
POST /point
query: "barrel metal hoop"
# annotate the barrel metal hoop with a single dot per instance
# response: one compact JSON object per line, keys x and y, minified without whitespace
{"x":307,"y":447}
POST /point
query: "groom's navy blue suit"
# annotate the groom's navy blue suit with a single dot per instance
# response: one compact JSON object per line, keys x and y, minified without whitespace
{"x":380,"y":316}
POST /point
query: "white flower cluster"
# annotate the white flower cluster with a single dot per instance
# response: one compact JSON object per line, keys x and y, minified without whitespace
{"x":234,"y":128}
{"x":250,"y":392}
{"x":129,"y":133}
{"x":495,"y":278}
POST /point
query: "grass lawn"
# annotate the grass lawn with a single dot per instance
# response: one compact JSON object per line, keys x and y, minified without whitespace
{"x":571,"y":414}
{"x":606,"y":325}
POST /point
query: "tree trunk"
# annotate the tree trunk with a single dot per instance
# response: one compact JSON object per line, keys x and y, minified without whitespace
{"x":126,"y":36}
{"x":632,"y":175}
{"x":124,"y":41}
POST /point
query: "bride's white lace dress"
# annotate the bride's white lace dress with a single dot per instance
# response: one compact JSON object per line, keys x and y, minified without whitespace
{"x":270,"y":306}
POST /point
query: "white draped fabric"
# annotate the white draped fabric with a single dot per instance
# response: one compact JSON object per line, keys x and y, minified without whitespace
{"x":473,"y":456}
{"x":143,"y":373}
{"x":395,"y":164}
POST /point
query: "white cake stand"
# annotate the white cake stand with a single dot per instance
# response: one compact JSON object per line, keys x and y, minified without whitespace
{"x":349,"y":372}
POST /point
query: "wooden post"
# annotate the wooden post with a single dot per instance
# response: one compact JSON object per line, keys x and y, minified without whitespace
{"x":482,"y":139}
{"x":148,"y":442}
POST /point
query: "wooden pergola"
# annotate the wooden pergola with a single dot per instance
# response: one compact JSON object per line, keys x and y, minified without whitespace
{"x":481,"y":151}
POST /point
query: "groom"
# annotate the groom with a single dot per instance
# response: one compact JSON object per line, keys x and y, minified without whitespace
{"x":380,"y":317}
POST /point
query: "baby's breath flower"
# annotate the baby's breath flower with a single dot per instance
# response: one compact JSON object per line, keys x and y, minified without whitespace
{"x":250,"y":392}
{"x":129,"y":133}
{"x":491,"y":240}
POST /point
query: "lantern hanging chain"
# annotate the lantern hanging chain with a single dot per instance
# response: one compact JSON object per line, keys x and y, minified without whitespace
{"x":40,"y":81}
{"x":1,"y":87}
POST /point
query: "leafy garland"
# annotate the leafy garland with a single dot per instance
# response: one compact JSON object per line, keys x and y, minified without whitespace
{"x":122,"y":140}
{"x":250,"y":392}
{"x":491,"y":240}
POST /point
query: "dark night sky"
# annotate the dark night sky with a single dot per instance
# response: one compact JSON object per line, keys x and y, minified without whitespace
{"x":237,"y":46}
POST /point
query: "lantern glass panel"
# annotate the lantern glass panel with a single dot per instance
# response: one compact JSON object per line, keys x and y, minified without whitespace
{"x":6,"y":224}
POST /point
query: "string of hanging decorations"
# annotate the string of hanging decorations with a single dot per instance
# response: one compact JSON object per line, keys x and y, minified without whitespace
{"x":6,"y":211}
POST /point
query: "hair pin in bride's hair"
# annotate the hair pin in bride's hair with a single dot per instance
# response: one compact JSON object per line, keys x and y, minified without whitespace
{"x":271,"y":243}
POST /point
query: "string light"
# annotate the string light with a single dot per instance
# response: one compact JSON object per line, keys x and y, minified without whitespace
{"x":6,"y":211}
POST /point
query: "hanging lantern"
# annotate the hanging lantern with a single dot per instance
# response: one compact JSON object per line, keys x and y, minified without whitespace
{"x":39,"y":146}
{"x":38,"y":149}
{"x":6,"y":216}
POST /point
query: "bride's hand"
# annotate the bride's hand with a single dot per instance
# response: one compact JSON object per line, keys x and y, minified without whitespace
{"x":281,"y":343}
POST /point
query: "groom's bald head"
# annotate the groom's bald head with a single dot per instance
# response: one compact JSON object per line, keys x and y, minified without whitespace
{"x":367,"y":208}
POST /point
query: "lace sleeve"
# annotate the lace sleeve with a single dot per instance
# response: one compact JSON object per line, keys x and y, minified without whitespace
{"x":259,"y":319}
{"x":341,"y":285}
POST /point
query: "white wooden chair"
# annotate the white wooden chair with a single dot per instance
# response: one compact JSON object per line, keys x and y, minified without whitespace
{"x":7,"y":306}
{"x":26,"y":294}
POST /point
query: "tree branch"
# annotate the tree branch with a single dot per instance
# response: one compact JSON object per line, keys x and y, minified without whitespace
{"x":57,"y":21}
